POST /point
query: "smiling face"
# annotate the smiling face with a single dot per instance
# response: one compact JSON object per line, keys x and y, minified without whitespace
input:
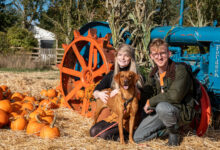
{"x":123,"y":59}
{"x":160,"y":55}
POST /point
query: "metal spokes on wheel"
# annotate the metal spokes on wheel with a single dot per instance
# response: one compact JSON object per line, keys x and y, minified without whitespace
{"x":85,"y":61}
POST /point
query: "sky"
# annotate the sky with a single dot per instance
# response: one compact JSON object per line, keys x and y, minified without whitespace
{"x":45,"y":7}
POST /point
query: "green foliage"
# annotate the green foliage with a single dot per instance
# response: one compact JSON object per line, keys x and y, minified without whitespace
{"x":118,"y":11}
{"x":141,"y":23}
{"x":29,"y":10}
{"x":143,"y":71}
{"x":136,"y":18}
{"x":168,"y":12}
{"x":70,"y":15}
{"x":202,"y":12}
{"x":3,"y":42}
{"x":8,"y":16}
{"x":197,"y":50}
{"x":19,"y":37}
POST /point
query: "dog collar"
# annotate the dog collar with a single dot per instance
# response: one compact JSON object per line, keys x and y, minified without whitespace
{"x":127,"y":101}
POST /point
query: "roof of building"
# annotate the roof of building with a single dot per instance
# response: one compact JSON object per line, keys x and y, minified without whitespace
{"x":42,"y":34}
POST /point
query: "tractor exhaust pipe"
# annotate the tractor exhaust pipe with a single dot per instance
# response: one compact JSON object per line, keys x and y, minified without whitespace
{"x":181,"y":13}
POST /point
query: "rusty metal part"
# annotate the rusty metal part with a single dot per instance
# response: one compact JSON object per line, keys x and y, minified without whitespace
{"x":85,"y":61}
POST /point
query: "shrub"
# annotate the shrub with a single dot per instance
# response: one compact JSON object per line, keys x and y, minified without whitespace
{"x":19,"y":37}
{"x":4,"y":45}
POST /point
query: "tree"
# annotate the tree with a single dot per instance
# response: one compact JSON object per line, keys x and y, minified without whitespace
{"x":8,"y":16}
{"x":167,"y":12}
{"x":29,"y":10}
{"x":70,"y":15}
{"x":64,"y":21}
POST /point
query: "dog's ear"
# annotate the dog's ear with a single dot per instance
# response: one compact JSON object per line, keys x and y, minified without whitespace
{"x":116,"y":77}
{"x":136,"y":78}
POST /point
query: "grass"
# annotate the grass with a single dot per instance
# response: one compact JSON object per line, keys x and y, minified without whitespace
{"x":21,"y":63}
{"x":27,"y":70}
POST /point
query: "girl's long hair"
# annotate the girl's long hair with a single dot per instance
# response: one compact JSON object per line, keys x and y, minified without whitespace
{"x":132,"y":67}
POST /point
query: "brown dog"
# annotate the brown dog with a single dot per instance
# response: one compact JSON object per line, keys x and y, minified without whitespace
{"x":124,"y":104}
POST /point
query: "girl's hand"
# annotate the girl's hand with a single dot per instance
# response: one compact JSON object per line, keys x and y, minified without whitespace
{"x":102,"y":95}
{"x":114,"y":92}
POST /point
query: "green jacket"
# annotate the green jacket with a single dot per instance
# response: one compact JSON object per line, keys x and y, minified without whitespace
{"x":178,"y":90}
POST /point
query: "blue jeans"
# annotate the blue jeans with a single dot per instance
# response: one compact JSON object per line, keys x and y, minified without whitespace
{"x":166,"y":115}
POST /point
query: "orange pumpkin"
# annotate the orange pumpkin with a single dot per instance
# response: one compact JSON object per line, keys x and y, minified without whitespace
{"x":15,"y":107}
{"x":46,"y":104}
{"x":55,"y":102}
{"x":4,"y":87}
{"x":43,"y":93}
{"x":4,"y":118}
{"x":1,"y":94}
{"x":49,"y":131}
{"x":13,"y":114}
{"x":6,"y":91}
{"x":51,"y":93}
{"x":6,"y":105}
{"x":34,"y":127}
{"x":19,"y":123}
{"x":30,"y":99}
{"x":17,"y":96}
{"x":38,"y":111}
{"x":28,"y":106}
{"x":47,"y":118}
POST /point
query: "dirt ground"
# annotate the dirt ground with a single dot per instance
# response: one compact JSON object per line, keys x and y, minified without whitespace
{"x":74,"y":128}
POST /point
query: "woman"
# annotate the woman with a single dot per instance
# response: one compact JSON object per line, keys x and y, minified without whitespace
{"x":124,"y":61}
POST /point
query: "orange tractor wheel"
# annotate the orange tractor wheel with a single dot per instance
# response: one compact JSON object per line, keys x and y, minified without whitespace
{"x":85,"y":61}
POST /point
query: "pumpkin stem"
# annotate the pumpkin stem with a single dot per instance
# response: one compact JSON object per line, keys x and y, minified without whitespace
{"x":29,"y":112}
{"x":54,"y":120}
{"x":34,"y":106}
{"x":11,"y":118}
{"x":38,"y":118}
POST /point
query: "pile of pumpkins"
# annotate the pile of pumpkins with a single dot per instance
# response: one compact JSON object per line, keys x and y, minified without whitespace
{"x":23,"y":112}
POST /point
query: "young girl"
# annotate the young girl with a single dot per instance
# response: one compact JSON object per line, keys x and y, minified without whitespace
{"x":124,"y":61}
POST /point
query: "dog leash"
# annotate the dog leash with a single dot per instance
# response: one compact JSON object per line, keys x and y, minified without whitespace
{"x":106,"y":129}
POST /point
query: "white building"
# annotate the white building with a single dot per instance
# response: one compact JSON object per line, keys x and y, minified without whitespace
{"x":47,"y":43}
{"x":46,"y":39}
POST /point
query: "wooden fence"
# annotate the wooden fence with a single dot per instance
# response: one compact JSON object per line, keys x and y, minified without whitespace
{"x":45,"y":56}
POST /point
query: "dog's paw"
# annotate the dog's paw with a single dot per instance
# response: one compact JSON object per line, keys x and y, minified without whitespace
{"x":131,"y":141}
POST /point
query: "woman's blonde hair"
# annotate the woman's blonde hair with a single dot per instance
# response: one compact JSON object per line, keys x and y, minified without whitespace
{"x":132,"y":67}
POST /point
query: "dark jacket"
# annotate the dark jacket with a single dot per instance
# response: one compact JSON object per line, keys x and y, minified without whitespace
{"x":178,"y":90}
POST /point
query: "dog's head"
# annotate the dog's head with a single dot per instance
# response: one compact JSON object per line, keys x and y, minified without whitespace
{"x":126,"y":79}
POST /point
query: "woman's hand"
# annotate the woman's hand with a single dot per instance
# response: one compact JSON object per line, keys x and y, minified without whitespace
{"x":103,"y":95}
{"x":114,"y":92}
